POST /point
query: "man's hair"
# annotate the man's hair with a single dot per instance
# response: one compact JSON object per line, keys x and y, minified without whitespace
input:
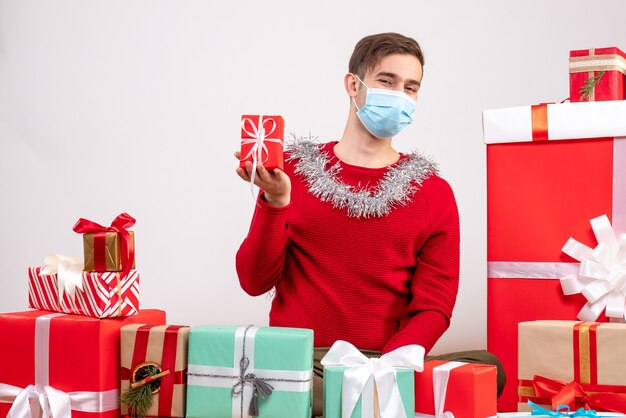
{"x":370,"y":50}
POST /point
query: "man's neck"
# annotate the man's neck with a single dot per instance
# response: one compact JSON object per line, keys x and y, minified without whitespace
{"x":358,"y":147}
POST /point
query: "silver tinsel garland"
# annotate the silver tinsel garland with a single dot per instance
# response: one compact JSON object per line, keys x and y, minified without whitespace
{"x":395,"y":188}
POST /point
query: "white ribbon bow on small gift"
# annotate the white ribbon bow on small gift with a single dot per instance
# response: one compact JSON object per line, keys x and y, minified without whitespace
{"x":382,"y":369}
{"x":69,"y":271}
{"x":602,"y":275}
{"x":259,"y":136}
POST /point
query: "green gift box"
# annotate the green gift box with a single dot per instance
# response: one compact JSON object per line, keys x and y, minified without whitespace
{"x":333,"y":386}
{"x":231,"y":369}
{"x":356,"y":386}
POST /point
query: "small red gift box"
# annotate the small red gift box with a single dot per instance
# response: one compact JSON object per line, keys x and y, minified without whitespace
{"x":103,"y":295}
{"x":597,"y":74}
{"x":262,"y":140}
{"x":68,"y":362}
{"x":463,"y":389}
{"x":545,"y":182}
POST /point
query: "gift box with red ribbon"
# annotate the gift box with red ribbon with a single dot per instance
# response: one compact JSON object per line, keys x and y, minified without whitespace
{"x":457,"y":388}
{"x":597,"y":74}
{"x":97,"y":294}
{"x":262,"y":139}
{"x":108,"y":248}
{"x":550,"y":170}
{"x":155,"y":355}
{"x":578,"y":364}
{"x":53,"y":364}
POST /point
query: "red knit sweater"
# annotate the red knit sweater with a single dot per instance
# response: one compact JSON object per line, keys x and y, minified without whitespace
{"x":379,"y":283}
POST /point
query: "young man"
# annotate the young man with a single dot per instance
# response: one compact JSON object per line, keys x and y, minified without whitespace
{"x":360,"y":242}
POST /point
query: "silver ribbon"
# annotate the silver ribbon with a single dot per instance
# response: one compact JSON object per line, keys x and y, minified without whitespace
{"x":244,"y":375}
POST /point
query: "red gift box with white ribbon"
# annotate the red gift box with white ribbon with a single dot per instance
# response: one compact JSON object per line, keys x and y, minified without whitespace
{"x":454,"y":388}
{"x":262,"y":140}
{"x":550,"y":170}
{"x":53,"y":364}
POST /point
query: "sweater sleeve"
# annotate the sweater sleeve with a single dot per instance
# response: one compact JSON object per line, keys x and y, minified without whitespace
{"x":260,"y":259}
{"x":435,"y":281}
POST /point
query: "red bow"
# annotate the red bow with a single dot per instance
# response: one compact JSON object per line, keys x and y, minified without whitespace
{"x":573,"y":394}
{"x":119,"y":225}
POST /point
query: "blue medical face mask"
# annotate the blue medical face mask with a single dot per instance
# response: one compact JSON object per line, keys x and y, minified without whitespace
{"x":385,"y":112}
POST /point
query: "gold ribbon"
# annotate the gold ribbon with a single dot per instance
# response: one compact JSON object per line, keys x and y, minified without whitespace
{"x":591,"y":63}
{"x":584,"y":356}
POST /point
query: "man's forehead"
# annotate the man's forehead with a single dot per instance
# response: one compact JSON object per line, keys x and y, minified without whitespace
{"x":400,"y":66}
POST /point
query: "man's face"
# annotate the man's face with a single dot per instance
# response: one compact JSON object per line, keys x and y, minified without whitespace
{"x":401,"y":72}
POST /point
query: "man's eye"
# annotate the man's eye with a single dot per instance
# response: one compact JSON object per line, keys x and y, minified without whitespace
{"x":385,"y":82}
{"x":412,"y":89}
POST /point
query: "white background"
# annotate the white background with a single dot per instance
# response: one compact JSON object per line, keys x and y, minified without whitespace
{"x":112,"y":106}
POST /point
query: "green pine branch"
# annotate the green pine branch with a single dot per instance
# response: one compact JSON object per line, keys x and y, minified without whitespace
{"x":590,"y":84}
{"x":140,"y":399}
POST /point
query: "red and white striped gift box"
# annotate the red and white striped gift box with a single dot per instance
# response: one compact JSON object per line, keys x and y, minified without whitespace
{"x":103,"y":294}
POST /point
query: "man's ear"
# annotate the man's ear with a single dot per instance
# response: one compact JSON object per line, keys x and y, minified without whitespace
{"x":351,"y":84}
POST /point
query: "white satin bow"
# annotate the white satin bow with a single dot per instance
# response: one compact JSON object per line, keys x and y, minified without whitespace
{"x":48,"y":402}
{"x":602,"y":275}
{"x":69,"y":271}
{"x":382,"y":369}
{"x":45,"y":402}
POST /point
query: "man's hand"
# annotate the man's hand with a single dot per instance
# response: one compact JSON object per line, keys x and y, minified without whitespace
{"x":275,"y":185}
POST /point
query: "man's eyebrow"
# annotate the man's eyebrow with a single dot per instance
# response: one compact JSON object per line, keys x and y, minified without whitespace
{"x":395,"y":77}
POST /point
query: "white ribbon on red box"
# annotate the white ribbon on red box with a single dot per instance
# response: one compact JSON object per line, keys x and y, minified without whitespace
{"x":602,"y":274}
{"x":41,"y":400}
{"x":258,"y":137}
{"x":441,"y":375}
{"x":572,"y":121}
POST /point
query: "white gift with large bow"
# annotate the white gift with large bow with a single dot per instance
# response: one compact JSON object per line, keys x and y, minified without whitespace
{"x":602,"y":274}
{"x":41,"y":400}
{"x":364,"y":372}
{"x":69,"y":271}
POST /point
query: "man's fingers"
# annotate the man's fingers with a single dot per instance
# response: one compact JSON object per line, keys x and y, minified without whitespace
{"x":248,"y":166}
{"x":237,"y":154}
{"x":243,"y":174}
{"x":264,"y":175}
{"x":258,"y":180}
{"x":280,"y":175}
